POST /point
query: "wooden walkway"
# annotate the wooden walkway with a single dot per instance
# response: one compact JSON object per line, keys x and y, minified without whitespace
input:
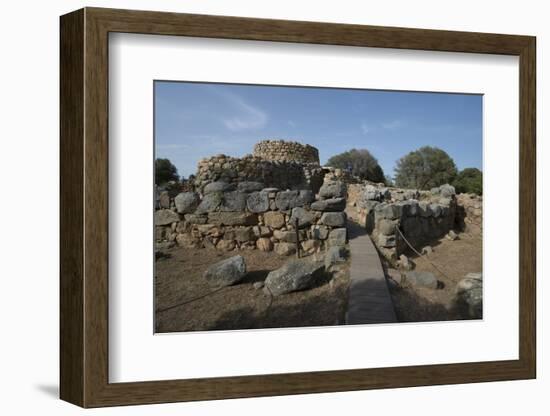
{"x":369,"y":299}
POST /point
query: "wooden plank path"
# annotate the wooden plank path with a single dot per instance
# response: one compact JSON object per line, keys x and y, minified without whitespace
{"x":369,"y":299}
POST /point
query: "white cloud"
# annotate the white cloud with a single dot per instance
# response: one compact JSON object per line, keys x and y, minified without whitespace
{"x":365,"y":128}
{"x":249,"y":117}
{"x":393,"y":125}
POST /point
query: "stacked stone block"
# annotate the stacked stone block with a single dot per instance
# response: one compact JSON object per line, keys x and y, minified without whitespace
{"x":420,"y":217}
{"x":248,"y":215}
{"x":286,"y":151}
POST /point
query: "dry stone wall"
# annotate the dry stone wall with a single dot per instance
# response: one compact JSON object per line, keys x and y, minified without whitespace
{"x":287,"y":151}
{"x":277,"y":174}
{"x":389,"y":214}
{"x":247,"y":215}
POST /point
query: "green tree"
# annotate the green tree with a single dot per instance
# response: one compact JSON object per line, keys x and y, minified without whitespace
{"x":469,"y":180}
{"x":360,"y":163}
{"x":425,"y":168}
{"x":165,"y":172}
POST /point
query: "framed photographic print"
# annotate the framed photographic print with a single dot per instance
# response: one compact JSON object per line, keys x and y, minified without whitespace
{"x":255,"y":207}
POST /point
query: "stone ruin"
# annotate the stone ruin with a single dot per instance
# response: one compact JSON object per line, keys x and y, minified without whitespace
{"x":256,"y":202}
{"x":275,"y":163}
{"x":397,"y":217}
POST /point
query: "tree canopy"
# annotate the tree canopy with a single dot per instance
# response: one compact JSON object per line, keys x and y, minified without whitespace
{"x":469,"y":180}
{"x":165,"y":172}
{"x":360,"y":163}
{"x":425,"y":168}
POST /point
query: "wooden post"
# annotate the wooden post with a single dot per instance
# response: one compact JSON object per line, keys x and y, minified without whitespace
{"x":297,"y":238}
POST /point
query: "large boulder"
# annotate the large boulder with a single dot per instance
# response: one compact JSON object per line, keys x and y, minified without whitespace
{"x":187,"y":202}
{"x":250,"y":186}
{"x":447,"y":191}
{"x":333,"y":219}
{"x":164,"y":199}
{"x":210,"y":203}
{"x":218,"y":186}
{"x":274,"y":219}
{"x":195,"y":219}
{"x":258,"y":202}
{"x":233,"y":201}
{"x":469,"y":296}
{"x":334,"y":255}
{"x":286,"y":200}
{"x":232,"y":218}
{"x":421,"y":279}
{"x":226,"y":272}
{"x":337,"y":237}
{"x":304,"y":217}
{"x":332,"y":189}
{"x":165,"y":217}
{"x":285,"y":249}
{"x":332,"y":204}
{"x":295,"y":275}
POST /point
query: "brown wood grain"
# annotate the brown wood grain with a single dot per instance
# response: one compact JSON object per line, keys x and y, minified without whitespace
{"x":84,"y":207}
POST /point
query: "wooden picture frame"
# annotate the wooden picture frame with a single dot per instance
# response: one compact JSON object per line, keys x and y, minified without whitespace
{"x":84,"y":207}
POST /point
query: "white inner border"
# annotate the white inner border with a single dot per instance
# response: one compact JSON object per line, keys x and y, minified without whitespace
{"x":135,"y":354}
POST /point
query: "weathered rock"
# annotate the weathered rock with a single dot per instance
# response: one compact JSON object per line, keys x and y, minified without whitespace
{"x":372,"y":193}
{"x":447,"y":190}
{"x":232,"y":218}
{"x":226,"y":245}
{"x":164,"y":245}
{"x":210,"y":203}
{"x":332,"y":189}
{"x":405,"y":263}
{"x":258,"y":202}
{"x":304,"y":217}
{"x":310,"y":246}
{"x":334,"y":255}
{"x":286,"y":200}
{"x":332,"y":204}
{"x":427,"y":250}
{"x":320,"y":232}
{"x":285,"y":249}
{"x":294,"y":275}
{"x":333,"y":219}
{"x":165,"y":217}
{"x":195,"y":219}
{"x":451,"y":235}
{"x":264,"y":244}
{"x":386,"y":241}
{"x":469,"y":296}
{"x":187,"y":202}
{"x":244,"y":234}
{"x":422,"y":279}
{"x":337,"y":237}
{"x":274,"y":219}
{"x":218,"y":187}
{"x":288,"y":236}
{"x":435,"y":210}
{"x":233,"y":201}
{"x":258,"y":285}
{"x":388,"y":211}
{"x":250,"y":186}
{"x":226,"y":272}
{"x":164,"y":199}
{"x":386,"y":227}
{"x":305,"y":197}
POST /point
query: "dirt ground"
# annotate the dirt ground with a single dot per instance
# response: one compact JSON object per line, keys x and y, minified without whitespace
{"x":185,"y":302}
{"x":454,"y":259}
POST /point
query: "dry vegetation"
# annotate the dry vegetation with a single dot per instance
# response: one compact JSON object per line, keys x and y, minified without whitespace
{"x":454,"y":259}
{"x":185,"y":302}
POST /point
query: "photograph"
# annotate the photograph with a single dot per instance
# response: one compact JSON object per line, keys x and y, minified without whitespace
{"x":291,"y":206}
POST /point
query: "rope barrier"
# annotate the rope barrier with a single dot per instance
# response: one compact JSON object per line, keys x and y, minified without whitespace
{"x":421,"y":256}
{"x":190,"y":300}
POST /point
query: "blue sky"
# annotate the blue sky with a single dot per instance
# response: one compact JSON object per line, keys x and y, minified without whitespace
{"x":196,"y":120}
